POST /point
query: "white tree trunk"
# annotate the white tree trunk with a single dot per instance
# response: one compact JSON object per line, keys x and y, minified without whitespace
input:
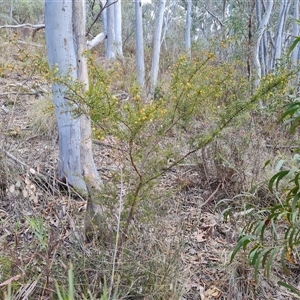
{"x":295,"y":53}
{"x":188,"y":25}
{"x":279,"y":38}
{"x":156,"y":46}
{"x":104,"y":22}
{"x":118,"y":28}
{"x":139,"y":38}
{"x":261,"y":30}
{"x":66,"y":43}
{"x":62,"y":55}
{"x":91,"y":175}
{"x":110,"y":27}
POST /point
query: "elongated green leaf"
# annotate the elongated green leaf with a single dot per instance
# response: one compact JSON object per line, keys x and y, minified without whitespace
{"x":258,"y":261}
{"x":276,"y":179}
{"x":266,"y":163}
{"x":240,"y":244}
{"x":295,"y":217}
{"x":270,"y":261}
{"x":246,"y":242}
{"x":286,"y":235}
{"x":291,"y":110}
{"x":295,"y":124}
{"x":289,"y":287}
{"x":297,"y":236}
{"x":294,"y":203}
{"x":252,"y":254}
{"x":293,"y":46}
{"x":274,"y":230}
{"x":264,"y":260}
{"x":290,"y":240}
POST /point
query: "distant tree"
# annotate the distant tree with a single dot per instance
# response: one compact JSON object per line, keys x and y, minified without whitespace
{"x":188,"y":27}
{"x":280,"y":33}
{"x":140,"y":62}
{"x":112,"y":24}
{"x":110,"y":30}
{"x":156,"y":46}
{"x":118,"y":27}
{"x":261,"y":29}
{"x":295,"y":53}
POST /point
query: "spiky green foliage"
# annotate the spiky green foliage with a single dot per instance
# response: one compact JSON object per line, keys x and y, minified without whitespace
{"x":275,"y":233}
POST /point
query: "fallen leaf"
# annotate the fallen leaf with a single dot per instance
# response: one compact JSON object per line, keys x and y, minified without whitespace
{"x":25,"y":193}
{"x":12,"y":188}
{"x":200,"y":237}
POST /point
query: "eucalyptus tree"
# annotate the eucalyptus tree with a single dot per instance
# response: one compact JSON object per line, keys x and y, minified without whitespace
{"x":110,"y":30}
{"x":280,"y":33}
{"x":188,"y":27}
{"x":140,"y":61}
{"x":156,"y":46}
{"x":118,"y":28}
{"x":261,"y":29}
{"x":65,"y":39}
{"x":295,"y":53}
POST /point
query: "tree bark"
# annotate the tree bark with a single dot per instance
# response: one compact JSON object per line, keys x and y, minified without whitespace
{"x":110,"y":27}
{"x":66,"y":43}
{"x":295,"y":53}
{"x":156,"y":46}
{"x":260,"y":32}
{"x":279,"y":38}
{"x":188,"y":28}
{"x":62,"y":55}
{"x":118,"y":28}
{"x":139,"y":41}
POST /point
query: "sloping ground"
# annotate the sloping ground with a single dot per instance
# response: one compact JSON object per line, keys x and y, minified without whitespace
{"x":206,"y":239}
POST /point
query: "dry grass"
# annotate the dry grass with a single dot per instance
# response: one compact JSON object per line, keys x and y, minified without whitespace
{"x":42,"y":117}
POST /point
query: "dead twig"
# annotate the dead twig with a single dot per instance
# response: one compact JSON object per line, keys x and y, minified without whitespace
{"x":211,"y":196}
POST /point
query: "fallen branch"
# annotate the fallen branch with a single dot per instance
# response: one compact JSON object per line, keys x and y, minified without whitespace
{"x":96,"y":40}
{"x":22,"y":42}
{"x":27,"y":25}
{"x":20,"y":93}
{"x":211,"y":196}
{"x":46,"y":178}
{"x":90,"y":44}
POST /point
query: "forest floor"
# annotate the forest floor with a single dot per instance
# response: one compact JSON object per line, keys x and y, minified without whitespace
{"x":207,"y":240}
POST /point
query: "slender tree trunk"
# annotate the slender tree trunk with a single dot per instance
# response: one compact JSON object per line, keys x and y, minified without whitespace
{"x":262,"y":53}
{"x":295,"y":53}
{"x":263,"y":25}
{"x":104,"y":22}
{"x":118,"y":28}
{"x":250,"y":39}
{"x":279,"y":38}
{"x":111,"y":46}
{"x":139,"y":38}
{"x":156,"y":46}
{"x":62,"y":55}
{"x":188,"y":27}
{"x":66,"y":43}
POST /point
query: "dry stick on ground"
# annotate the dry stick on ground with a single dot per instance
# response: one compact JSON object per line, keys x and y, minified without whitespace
{"x":20,"y":93}
{"x":40,"y":175}
{"x":211,"y":196}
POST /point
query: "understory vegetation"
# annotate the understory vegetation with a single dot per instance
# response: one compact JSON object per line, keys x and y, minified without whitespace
{"x":199,"y":182}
